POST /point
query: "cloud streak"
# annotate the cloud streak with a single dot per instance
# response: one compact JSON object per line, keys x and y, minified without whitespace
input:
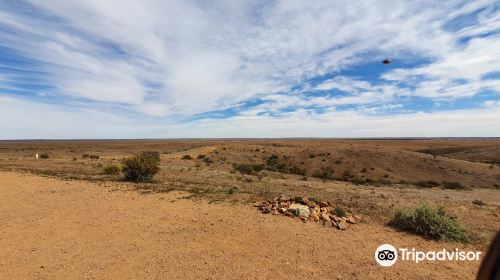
{"x":173,"y":63}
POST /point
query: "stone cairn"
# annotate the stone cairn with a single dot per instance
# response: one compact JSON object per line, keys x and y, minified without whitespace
{"x":305,"y":209}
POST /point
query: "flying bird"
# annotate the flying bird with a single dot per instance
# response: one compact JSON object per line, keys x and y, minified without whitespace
{"x":386,"y":61}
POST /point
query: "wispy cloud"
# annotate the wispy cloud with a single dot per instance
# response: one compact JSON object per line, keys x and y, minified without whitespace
{"x":175,"y":64}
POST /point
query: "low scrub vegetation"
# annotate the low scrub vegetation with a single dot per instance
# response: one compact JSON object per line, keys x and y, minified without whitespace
{"x":454,"y":186}
{"x":427,"y":184}
{"x":340,"y":212}
{"x":90,"y":156}
{"x":248,"y":169}
{"x":187,"y":157}
{"x":324,"y":173}
{"x":112,"y":169}
{"x":141,"y":167}
{"x":44,"y":156}
{"x":478,"y":202}
{"x":431,"y":223}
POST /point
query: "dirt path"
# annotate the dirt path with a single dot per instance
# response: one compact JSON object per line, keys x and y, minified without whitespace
{"x":52,"y":229}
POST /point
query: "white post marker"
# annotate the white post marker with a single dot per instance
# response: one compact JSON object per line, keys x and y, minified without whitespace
{"x":36,"y":156}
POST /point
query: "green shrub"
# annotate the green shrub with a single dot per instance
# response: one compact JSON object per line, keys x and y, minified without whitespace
{"x":324,"y":173}
{"x":233,"y":190}
{"x":431,"y":223}
{"x":297,"y":171}
{"x":340,"y":212}
{"x":208,"y":161}
{"x":94,"y":157}
{"x":357,"y":181}
{"x":44,"y":156}
{"x":85,"y":155}
{"x":478,"y":202}
{"x":248,"y":169}
{"x":141,"y":167}
{"x":187,"y":157}
{"x":112,"y":169}
{"x":201,"y":156}
{"x":454,"y":186}
{"x":272,"y":161}
{"x":427,"y":184}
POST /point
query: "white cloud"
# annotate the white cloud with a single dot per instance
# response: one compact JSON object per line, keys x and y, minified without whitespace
{"x":174,"y":59}
{"x":22,"y":119}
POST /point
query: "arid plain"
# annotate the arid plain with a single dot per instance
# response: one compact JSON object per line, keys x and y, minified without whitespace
{"x":63,"y":217}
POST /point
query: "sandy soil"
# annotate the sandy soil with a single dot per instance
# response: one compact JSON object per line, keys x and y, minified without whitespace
{"x":54,"y":229}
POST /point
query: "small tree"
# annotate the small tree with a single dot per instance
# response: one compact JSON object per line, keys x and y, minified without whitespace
{"x":141,"y":167}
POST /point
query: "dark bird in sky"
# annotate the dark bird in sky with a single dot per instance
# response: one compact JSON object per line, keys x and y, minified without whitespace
{"x":386,"y":61}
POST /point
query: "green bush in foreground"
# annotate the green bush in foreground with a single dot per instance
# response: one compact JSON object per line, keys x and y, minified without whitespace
{"x":141,"y":167}
{"x":44,"y":156}
{"x":431,"y":223}
{"x":112,"y":169}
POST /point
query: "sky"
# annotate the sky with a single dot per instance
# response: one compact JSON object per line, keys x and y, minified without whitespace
{"x":251,"y":69}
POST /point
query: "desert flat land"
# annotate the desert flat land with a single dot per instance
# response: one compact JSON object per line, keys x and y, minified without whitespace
{"x":54,"y":229}
{"x":62,"y":217}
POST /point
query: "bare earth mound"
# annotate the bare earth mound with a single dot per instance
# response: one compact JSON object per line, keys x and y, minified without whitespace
{"x":54,"y":229}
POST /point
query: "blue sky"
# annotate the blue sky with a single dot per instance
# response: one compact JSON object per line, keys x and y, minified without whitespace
{"x":164,"y":69}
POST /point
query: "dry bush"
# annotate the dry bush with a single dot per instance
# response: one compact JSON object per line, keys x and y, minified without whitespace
{"x":112,"y":169}
{"x":454,"y":186}
{"x":427,"y":184}
{"x":141,"y":167}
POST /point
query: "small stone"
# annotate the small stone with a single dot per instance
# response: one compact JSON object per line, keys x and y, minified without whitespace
{"x":299,"y":210}
{"x":300,"y":200}
{"x":343,"y":225}
{"x":324,"y":216}
{"x":357,"y":218}
{"x":328,"y":224}
{"x":323,"y":203}
{"x":266,"y":209}
{"x":334,"y":218}
{"x":312,"y":204}
{"x":257,"y":204}
{"x":283,"y":198}
{"x":289,"y":214}
{"x":351,"y":220}
{"x":303,"y":219}
{"x":314,"y":216}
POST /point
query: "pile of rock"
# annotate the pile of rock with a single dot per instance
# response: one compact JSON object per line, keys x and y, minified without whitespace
{"x":323,"y":211}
